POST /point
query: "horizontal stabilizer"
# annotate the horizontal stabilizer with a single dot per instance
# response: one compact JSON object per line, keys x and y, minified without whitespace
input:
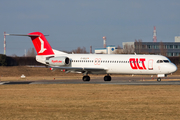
{"x":24,"y":35}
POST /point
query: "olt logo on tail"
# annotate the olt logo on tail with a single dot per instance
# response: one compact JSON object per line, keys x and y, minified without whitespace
{"x":137,"y":63}
{"x":42,"y":46}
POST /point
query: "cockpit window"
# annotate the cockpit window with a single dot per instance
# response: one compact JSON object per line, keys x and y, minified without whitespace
{"x":166,"y":61}
{"x":160,"y":61}
{"x":163,"y":61}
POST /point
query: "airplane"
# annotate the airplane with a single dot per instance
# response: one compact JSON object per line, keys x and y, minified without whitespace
{"x":100,"y":63}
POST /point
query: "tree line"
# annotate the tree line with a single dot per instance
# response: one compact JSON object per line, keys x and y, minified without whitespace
{"x":17,"y":61}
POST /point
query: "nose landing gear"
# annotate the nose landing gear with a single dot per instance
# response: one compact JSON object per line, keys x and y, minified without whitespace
{"x":159,"y":79}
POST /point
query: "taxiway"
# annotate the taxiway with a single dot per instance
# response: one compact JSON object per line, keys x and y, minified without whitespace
{"x":115,"y":80}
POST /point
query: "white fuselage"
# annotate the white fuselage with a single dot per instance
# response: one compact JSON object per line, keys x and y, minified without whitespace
{"x":122,"y":64}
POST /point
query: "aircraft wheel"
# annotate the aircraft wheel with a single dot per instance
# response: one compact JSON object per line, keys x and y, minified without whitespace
{"x":107,"y":78}
{"x":86,"y":78}
{"x":159,"y":79}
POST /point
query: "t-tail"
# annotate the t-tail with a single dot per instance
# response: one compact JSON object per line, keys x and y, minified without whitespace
{"x":41,"y":44}
{"x":42,"y":47}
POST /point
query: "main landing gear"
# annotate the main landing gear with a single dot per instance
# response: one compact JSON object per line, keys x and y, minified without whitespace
{"x":87,"y":78}
{"x":107,"y":78}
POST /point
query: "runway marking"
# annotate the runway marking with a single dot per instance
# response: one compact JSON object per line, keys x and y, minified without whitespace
{"x":19,"y":82}
{"x":1,"y":83}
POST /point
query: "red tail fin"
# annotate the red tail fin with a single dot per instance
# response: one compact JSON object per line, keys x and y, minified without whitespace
{"x":41,"y":44}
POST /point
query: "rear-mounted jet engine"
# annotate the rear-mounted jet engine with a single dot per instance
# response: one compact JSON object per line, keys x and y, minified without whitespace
{"x":58,"y":61}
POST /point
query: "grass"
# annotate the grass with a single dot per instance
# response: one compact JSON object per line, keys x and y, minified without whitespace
{"x":92,"y":101}
{"x":86,"y":101}
{"x":14,"y":74}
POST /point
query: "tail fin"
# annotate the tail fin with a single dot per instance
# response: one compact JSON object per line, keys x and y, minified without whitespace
{"x":41,"y":44}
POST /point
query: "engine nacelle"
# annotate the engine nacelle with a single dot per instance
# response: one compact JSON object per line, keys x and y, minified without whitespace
{"x":58,"y":61}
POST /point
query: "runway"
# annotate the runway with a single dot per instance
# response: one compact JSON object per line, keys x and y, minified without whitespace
{"x":115,"y":80}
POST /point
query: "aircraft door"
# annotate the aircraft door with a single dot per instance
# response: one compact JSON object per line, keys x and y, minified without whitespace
{"x":150,"y":64}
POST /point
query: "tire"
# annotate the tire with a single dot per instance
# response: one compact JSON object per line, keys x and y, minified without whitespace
{"x":159,"y":79}
{"x":107,"y":78}
{"x":86,"y":78}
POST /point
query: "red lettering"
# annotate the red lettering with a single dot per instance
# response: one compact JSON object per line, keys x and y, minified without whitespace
{"x":143,"y":59}
{"x":141,"y":68}
{"x":56,"y":61}
{"x":97,"y":61}
{"x":132,"y":63}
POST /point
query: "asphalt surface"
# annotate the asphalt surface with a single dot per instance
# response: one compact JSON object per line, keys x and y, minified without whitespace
{"x":115,"y":80}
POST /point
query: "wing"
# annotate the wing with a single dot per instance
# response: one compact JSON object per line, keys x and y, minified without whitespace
{"x":88,"y":70}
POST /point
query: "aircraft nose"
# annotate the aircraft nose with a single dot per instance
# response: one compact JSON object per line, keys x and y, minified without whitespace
{"x":174,"y":68}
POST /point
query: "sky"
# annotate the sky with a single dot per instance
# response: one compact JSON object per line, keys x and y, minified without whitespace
{"x":82,"y":23}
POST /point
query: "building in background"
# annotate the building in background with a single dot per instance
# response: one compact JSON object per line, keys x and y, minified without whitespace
{"x":139,"y":47}
{"x":110,"y":49}
{"x":160,"y":48}
{"x":177,"y":38}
